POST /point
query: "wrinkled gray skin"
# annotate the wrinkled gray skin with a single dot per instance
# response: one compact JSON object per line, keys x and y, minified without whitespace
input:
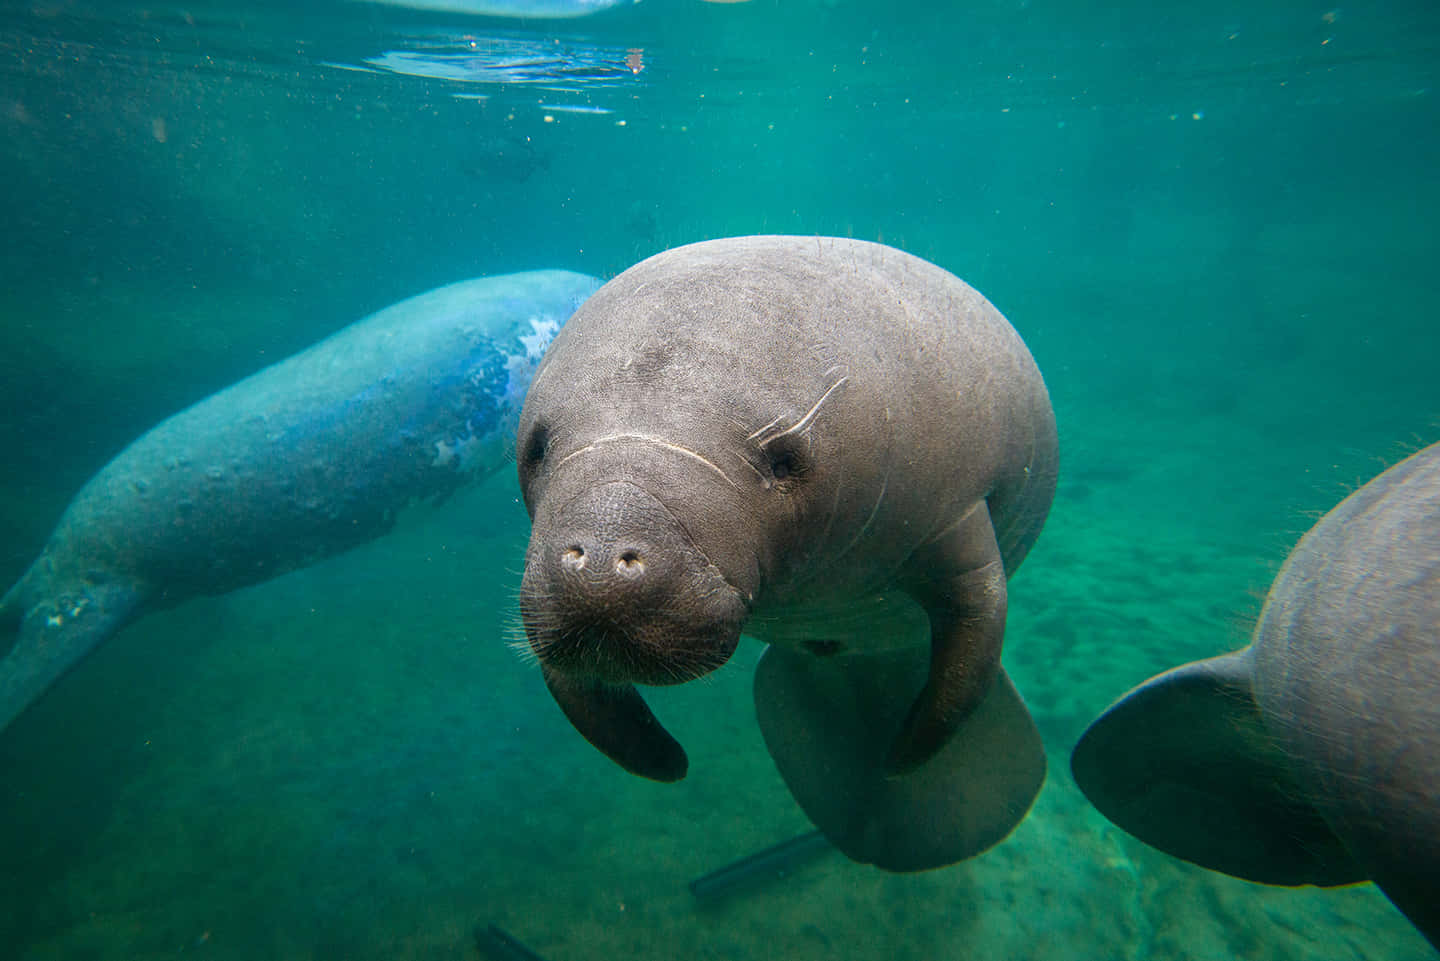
{"x":305,"y":459}
{"x":842,"y":450}
{"x":1313,"y":755}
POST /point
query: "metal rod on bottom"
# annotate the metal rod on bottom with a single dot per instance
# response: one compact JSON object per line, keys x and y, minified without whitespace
{"x":497,"y":944}
{"x":777,"y":861}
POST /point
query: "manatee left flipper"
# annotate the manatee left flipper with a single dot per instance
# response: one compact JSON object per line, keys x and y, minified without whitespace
{"x":54,"y":633}
{"x":828,"y":723}
{"x":959,"y":578}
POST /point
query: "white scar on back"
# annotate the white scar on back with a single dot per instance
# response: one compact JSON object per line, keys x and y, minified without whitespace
{"x":646,"y":439}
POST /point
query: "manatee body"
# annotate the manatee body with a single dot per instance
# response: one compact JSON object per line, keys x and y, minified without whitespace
{"x":300,"y":461}
{"x":842,"y":450}
{"x":1313,"y":755}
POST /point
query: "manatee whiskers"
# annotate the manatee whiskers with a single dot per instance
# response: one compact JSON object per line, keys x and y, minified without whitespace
{"x":695,"y":667}
{"x":516,"y":639}
{"x":523,"y":650}
{"x":596,"y":644}
{"x":578,"y":639}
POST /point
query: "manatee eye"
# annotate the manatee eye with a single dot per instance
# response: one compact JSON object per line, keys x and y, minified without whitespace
{"x":787,"y":465}
{"x":536,"y":447}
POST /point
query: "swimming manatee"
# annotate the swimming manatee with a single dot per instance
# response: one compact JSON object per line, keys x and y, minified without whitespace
{"x":305,"y":459}
{"x":1313,"y":755}
{"x":842,"y":450}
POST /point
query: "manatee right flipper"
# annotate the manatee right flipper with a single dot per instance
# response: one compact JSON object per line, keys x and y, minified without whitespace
{"x":1185,"y":764}
{"x":829,"y":723}
{"x":53,"y":634}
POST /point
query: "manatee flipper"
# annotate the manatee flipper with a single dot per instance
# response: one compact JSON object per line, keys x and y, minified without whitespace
{"x":618,"y":722}
{"x":1411,"y":888}
{"x":960,"y":581}
{"x":1184,"y":763}
{"x":54,"y":635}
{"x":828,"y":723}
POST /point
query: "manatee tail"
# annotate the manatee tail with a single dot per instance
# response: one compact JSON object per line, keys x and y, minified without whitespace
{"x":829,"y":723}
{"x":46,"y":629}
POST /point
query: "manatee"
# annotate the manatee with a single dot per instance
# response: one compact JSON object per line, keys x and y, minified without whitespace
{"x":843,"y":451}
{"x":1312,"y":756}
{"x":307,"y":458}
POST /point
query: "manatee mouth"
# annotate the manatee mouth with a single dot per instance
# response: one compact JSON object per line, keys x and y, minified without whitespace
{"x":615,"y":594}
{"x":631,"y":638}
{"x":591,"y":670}
{"x":610,"y":653}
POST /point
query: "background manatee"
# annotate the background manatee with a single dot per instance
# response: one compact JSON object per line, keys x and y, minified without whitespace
{"x":300,"y":461}
{"x":1313,"y":755}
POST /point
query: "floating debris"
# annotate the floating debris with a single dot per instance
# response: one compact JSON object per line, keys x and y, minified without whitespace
{"x":528,"y":9}
{"x":469,"y":58}
{"x":574,"y":108}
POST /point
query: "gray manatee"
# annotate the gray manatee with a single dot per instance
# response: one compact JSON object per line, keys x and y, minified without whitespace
{"x":1313,"y":755}
{"x":842,"y":450}
{"x":309,"y":457}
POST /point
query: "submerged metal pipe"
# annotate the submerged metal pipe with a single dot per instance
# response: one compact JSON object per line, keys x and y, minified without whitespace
{"x":777,"y":861}
{"x":497,"y":944}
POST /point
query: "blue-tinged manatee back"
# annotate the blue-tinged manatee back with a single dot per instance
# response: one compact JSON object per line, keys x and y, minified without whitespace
{"x":300,"y":461}
{"x":318,"y":453}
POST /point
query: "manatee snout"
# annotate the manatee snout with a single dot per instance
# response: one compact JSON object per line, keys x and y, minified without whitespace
{"x":616,"y":591}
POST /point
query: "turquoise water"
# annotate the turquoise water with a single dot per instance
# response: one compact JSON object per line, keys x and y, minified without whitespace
{"x":1214,"y":226}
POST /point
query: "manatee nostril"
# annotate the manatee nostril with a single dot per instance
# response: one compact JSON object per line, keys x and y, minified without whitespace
{"x":573,"y":557}
{"x":629,"y":563}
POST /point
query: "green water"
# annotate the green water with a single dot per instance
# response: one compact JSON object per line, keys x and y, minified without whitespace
{"x":1213,"y":224}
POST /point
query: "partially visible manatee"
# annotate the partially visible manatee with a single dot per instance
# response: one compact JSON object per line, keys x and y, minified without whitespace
{"x":1313,"y":755}
{"x":305,"y":459}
